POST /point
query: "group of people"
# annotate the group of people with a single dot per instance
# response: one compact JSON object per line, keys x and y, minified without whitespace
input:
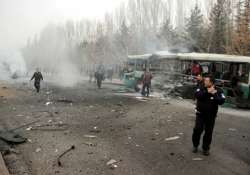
{"x":208,"y":98}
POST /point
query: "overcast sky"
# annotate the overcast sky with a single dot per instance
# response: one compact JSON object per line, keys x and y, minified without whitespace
{"x":20,"y":19}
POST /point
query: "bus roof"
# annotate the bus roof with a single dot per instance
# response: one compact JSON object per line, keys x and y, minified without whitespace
{"x":139,"y":57}
{"x":214,"y":57}
{"x":165,"y":55}
{"x":192,"y":56}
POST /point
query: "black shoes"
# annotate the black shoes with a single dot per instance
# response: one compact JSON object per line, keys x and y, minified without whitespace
{"x":195,"y":150}
{"x":206,"y":153}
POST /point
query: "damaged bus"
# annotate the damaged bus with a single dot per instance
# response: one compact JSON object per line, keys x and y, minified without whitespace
{"x":232,"y":74}
{"x":133,"y":72}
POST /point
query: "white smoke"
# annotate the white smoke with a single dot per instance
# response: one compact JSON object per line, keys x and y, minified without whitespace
{"x":67,"y":75}
{"x":12,"y":65}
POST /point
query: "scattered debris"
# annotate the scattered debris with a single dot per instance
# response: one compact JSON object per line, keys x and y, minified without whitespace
{"x":12,"y":137}
{"x":112,"y":161}
{"x":95,"y":130}
{"x":90,"y":144}
{"x":172,"y":154}
{"x":112,"y":164}
{"x":48,"y":103}
{"x":19,"y":115}
{"x":90,"y":136}
{"x":61,"y":155}
{"x":51,"y":127}
{"x":143,"y":99}
{"x":63,"y":100}
{"x":197,"y":159}
{"x":29,"y":128}
{"x":38,"y":150}
{"x":232,"y":129}
{"x":172,"y":138}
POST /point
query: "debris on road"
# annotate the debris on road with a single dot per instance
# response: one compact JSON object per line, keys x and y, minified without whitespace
{"x":172,"y":138}
{"x":65,"y":152}
{"x":90,"y":136}
{"x":232,"y":129}
{"x":113,"y":166}
{"x":48,"y":103}
{"x":38,"y":150}
{"x":90,"y":144}
{"x":197,"y":159}
{"x":11,"y":137}
{"x":23,"y":126}
{"x":172,"y":154}
{"x":51,"y":127}
{"x":110,"y":162}
{"x":29,"y":128}
{"x":143,"y":99}
{"x":64,"y":100}
{"x":95,"y":130}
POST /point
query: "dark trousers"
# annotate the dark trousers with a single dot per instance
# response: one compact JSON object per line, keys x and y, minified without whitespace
{"x":37,"y":86}
{"x":146,"y":86}
{"x":203,"y":123}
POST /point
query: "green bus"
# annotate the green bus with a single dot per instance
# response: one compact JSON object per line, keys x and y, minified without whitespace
{"x":135,"y":66}
{"x":231,"y":72}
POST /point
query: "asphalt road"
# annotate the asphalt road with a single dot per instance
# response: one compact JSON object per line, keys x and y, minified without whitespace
{"x":103,"y":126}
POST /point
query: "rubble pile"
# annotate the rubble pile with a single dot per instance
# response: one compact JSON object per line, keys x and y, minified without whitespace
{"x":174,"y":87}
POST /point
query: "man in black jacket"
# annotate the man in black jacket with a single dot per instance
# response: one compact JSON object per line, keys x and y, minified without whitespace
{"x":208,"y":98}
{"x":38,"y":77}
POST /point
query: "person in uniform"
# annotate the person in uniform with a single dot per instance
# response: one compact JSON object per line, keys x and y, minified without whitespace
{"x":209,"y":97}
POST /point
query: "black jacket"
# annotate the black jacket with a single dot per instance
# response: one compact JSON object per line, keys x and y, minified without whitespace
{"x":37,"y":76}
{"x":208,"y":103}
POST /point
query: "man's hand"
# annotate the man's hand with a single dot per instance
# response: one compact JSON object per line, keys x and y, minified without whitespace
{"x":212,"y":90}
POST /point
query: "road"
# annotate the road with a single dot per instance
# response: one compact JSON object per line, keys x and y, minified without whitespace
{"x":132,"y":131}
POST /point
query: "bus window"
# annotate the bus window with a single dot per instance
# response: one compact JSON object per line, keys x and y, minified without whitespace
{"x":243,"y":72}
